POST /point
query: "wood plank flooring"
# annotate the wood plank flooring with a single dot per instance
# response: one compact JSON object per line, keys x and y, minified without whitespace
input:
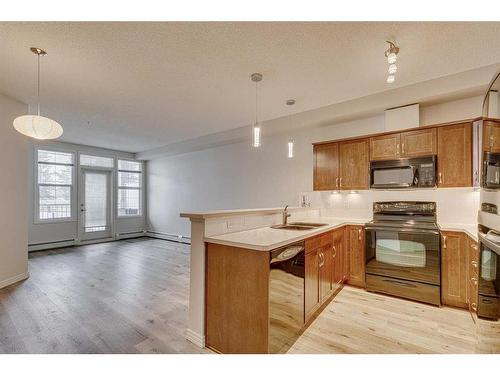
{"x":131,"y":297}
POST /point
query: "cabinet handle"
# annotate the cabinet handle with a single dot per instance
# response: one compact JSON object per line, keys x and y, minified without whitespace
{"x":359,"y":234}
{"x":444,"y":242}
{"x":491,"y":141}
{"x":473,"y":263}
{"x":340,"y":181}
{"x":474,"y":306}
{"x":397,"y":149}
{"x":474,"y":280}
{"x":336,"y":182}
{"x":440,"y":177}
{"x":322,"y":259}
{"x":474,"y":246}
{"x":334,"y":252}
{"x":403,"y":148}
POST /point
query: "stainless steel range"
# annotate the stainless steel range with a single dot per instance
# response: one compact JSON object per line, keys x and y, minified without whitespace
{"x":402,"y":251}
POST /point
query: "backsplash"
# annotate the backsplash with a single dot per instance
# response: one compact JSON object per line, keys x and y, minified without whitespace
{"x":456,"y":205}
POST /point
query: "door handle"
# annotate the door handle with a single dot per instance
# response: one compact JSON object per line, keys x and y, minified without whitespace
{"x":340,"y":180}
{"x":334,"y":252}
{"x":82,"y":209}
{"x":337,"y":182}
{"x":359,"y":234}
{"x":444,"y":242}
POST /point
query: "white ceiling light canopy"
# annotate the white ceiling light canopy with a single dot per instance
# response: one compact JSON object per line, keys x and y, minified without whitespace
{"x":256,"y":130}
{"x":37,"y":126}
{"x":392,"y":55}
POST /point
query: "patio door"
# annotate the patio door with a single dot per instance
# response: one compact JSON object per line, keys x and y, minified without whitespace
{"x":95,"y":204}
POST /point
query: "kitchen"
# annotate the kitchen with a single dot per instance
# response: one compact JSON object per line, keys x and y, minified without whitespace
{"x":292,"y":263}
{"x":251,"y":188}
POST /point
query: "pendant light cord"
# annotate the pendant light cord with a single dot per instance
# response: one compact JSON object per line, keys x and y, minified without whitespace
{"x":38,"y":86}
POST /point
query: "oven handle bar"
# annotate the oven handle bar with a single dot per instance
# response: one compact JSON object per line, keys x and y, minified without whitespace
{"x":405,"y":230}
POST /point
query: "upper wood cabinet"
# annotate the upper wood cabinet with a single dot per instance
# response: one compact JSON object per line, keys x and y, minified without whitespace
{"x":455,"y":155}
{"x":385,"y":147}
{"x":353,"y":164}
{"x":491,"y":136}
{"x":356,"y":250}
{"x":454,"y":269}
{"x":326,"y":166}
{"x":408,"y":144}
{"x":418,"y":143}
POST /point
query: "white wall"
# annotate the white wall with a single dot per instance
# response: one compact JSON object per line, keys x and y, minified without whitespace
{"x":13,"y":193}
{"x":238,"y":176}
{"x":44,"y":233}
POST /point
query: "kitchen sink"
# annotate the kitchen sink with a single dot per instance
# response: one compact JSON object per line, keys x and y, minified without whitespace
{"x":298,"y":226}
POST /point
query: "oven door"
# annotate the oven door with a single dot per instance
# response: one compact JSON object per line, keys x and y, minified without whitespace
{"x":404,"y":253}
{"x":489,"y":280}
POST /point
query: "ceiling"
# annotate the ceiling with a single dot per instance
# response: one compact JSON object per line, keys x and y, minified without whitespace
{"x":139,"y":86}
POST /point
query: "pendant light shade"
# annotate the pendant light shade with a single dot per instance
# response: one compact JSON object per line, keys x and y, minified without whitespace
{"x":36,"y":126}
{"x":256,"y":129}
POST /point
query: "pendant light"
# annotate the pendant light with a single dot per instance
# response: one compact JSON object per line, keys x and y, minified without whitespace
{"x":291,"y":142}
{"x":392,"y":56}
{"x":37,"y":126}
{"x":256,"y":130}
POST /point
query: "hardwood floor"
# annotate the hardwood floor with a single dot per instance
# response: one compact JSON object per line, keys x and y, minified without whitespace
{"x":119,"y":297}
{"x":357,"y":321}
{"x":131,"y":297}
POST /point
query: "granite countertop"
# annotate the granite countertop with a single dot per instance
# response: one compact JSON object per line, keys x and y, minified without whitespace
{"x":267,"y":238}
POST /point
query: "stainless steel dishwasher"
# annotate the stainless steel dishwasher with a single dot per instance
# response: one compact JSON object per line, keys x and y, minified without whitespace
{"x":286,"y":296}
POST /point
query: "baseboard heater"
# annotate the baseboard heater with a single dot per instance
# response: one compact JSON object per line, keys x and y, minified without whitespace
{"x":169,"y":237}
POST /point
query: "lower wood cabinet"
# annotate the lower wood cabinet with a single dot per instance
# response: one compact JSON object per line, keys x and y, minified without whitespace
{"x":356,"y":253}
{"x":324,"y":269}
{"x":472,"y":275}
{"x":454,"y":269}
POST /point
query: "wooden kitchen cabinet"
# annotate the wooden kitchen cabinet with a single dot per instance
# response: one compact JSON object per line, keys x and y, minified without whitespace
{"x":356,"y":251}
{"x":354,"y":164}
{"x":325,"y":272}
{"x":472,"y":275}
{"x":418,"y":143}
{"x":385,"y":147}
{"x":339,"y":269}
{"x":311,"y":283}
{"x":454,"y":269}
{"x":491,"y":136}
{"x":326,"y":166}
{"x":455,"y":155}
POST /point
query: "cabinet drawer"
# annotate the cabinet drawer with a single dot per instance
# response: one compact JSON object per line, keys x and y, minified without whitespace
{"x":316,"y":242}
{"x":405,"y":289}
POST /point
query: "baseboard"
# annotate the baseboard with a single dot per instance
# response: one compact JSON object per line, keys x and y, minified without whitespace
{"x":51,"y":245}
{"x":14,"y":279}
{"x":195,"y":338}
{"x":169,"y":237}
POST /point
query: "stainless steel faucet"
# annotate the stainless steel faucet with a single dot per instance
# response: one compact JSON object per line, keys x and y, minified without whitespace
{"x":286,"y":215}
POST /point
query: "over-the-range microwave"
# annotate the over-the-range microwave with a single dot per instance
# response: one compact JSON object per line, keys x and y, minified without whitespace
{"x":403,"y":173}
{"x":491,"y":170}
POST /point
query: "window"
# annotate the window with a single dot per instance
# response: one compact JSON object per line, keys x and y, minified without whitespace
{"x":96,"y":161}
{"x":54,"y":184}
{"x":129,"y":188}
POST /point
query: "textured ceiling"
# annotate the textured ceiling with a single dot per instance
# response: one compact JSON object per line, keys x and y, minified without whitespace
{"x":137,"y":86}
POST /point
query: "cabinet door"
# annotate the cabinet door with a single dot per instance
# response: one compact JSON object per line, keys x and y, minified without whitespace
{"x":337,"y":269}
{"x":356,"y":255}
{"x":491,"y":136}
{"x":311,"y":287}
{"x":455,"y":155}
{"x":472,"y":275}
{"x":453,"y":269}
{"x":325,"y":272}
{"x":353,"y":164}
{"x":326,"y":166}
{"x":418,"y":143}
{"x":385,"y":147}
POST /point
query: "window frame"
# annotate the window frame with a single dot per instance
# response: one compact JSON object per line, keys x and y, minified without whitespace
{"x":36,"y":186}
{"x":140,"y":189}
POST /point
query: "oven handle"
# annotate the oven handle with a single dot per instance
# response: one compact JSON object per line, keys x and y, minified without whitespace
{"x":405,"y":230}
{"x":400,"y":283}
